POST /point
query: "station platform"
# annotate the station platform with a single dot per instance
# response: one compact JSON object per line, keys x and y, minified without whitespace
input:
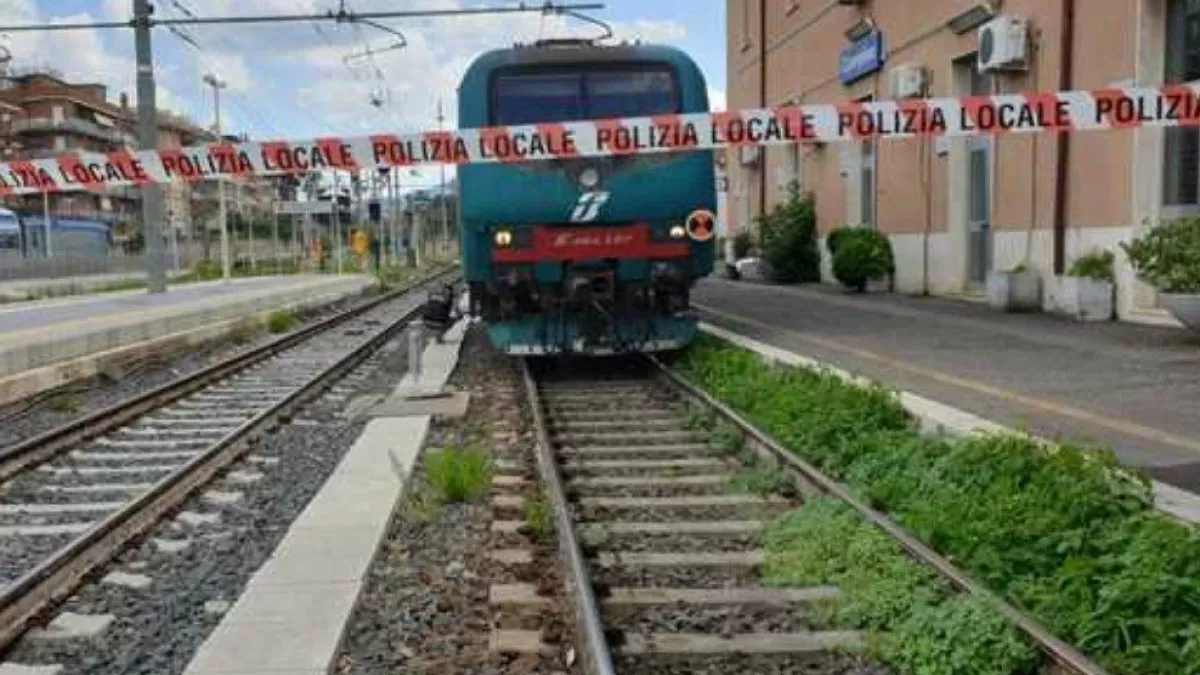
{"x":44,"y":344}
{"x":21,"y":290}
{"x":1132,"y":388}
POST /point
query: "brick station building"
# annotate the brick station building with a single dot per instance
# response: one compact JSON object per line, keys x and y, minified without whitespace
{"x":956,"y":209}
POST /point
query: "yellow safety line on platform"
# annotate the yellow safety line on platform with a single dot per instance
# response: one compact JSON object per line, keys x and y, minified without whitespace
{"x":1122,"y":426}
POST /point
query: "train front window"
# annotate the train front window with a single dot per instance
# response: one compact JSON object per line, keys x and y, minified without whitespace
{"x":631,"y":94}
{"x":530,"y":98}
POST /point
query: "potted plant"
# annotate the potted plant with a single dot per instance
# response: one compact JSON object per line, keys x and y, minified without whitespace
{"x":862,"y":258}
{"x":1168,"y":258}
{"x":1086,"y":292}
{"x":1016,"y":290}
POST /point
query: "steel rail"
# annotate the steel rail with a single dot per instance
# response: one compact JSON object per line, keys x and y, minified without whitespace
{"x":56,"y":577}
{"x":45,"y":446}
{"x":1059,"y":651}
{"x":597,"y":656}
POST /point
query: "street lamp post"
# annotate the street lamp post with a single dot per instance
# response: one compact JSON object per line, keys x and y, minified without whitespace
{"x":217,"y":85}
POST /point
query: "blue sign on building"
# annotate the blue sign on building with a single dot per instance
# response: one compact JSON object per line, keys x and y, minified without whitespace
{"x":862,"y":58}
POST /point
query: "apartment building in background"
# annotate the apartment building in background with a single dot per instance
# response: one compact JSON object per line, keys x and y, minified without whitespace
{"x":955,"y":209}
{"x":49,"y":116}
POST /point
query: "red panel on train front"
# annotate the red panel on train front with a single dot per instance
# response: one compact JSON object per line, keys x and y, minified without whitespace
{"x":589,"y":243}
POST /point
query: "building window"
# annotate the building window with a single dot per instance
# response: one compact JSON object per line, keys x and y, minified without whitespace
{"x":56,"y":114}
{"x":1181,"y":175}
{"x":868,"y":183}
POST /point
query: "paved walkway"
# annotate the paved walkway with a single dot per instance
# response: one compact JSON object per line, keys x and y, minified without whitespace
{"x":22,"y":290}
{"x":49,"y":343}
{"x":71,"y":309}
{"x":1135,"y":389}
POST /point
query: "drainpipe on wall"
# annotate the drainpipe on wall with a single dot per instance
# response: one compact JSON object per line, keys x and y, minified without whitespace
{"x":762,"y":100}
{"x":1067,"y":48}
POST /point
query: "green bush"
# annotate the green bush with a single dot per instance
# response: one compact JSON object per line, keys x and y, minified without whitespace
{"x":832,"y":239}
{"x":1168,"y":257}
{"x":860,"y":255}
{"x":743,"y":243}
{"x":789,"y":239}
{"x":1095,"y":265}
{"x":458,"y":475}
{"x":1070,"y":536}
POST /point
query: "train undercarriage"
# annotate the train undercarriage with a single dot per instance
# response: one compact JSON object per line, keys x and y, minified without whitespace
{"x":598,"y":307}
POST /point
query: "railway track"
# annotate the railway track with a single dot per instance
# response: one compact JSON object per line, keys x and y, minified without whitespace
{"x":662,"y":559}
{"x":74,"y":497}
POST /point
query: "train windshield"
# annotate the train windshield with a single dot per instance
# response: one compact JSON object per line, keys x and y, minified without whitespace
{"x":530,"y":98}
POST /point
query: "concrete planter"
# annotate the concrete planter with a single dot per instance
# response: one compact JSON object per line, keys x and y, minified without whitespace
{"x":1185,"y":307}
{"x":1086,"y":299}
{"x":1015,"y":291}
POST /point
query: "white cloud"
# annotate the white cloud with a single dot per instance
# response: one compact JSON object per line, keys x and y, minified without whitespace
{"x":717,"y":100}
{"x":293,"y":75}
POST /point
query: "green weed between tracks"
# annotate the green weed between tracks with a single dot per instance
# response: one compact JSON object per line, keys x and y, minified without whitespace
{"x":282,"y":321}
{"x":458,"y":475}
{"x":539,"y":518}
{"x":1068,"y":535}
{"x":920,"y":625}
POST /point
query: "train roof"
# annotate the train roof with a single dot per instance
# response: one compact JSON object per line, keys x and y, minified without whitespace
{"x":576,"y":52}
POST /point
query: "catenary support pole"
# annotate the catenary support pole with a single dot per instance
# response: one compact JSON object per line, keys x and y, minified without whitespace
{"x":152,"y":204}
{"x":46,"y":228}
{"x":217,"y":85}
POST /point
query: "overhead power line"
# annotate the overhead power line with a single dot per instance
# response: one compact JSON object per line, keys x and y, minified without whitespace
{"x":341,"y":16}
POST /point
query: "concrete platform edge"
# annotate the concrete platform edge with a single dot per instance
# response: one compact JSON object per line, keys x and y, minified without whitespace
{"x":939,"y":417}
{"x":326,"y":554}
{"x":44,"y":378}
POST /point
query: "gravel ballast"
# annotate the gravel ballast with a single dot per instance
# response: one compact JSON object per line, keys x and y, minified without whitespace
{"x":425,"y":605}
{"x":158,"y":629}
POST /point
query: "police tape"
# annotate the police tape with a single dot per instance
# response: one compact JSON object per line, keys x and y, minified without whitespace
{"x":1103,"y":109}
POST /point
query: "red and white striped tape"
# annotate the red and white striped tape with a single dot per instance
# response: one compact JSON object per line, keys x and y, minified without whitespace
{"x":985,"y":115}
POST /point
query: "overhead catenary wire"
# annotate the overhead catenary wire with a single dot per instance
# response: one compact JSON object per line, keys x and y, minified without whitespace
{"x":340,"y":17}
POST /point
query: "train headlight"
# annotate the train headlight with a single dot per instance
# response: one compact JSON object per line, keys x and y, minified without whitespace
{"x":503,"y":238}
{"x":589,"y":178}
{"x":678,"y":232}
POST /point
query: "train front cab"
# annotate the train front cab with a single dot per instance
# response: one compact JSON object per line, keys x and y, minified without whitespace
{"x":592,"y":255}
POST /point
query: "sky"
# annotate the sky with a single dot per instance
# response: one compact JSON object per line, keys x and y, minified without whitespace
{"x":294,"y":80}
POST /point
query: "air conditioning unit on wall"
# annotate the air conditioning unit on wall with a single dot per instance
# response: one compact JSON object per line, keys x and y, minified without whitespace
{"x":908,"y":81}
{"x":1004,"y":44}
